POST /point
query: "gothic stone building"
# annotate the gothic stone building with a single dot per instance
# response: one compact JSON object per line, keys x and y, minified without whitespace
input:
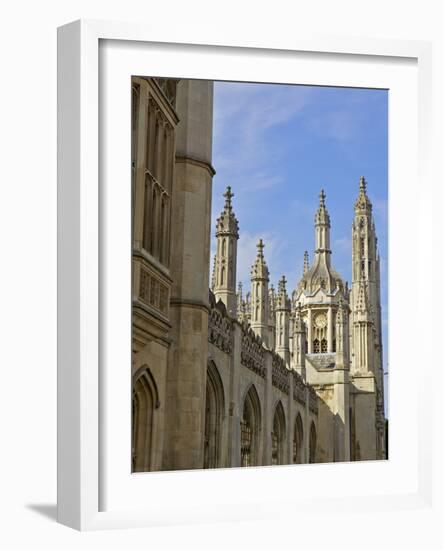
{"x":221,"y":379}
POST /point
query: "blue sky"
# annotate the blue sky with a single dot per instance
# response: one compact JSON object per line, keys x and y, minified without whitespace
{"x":277,"y":146}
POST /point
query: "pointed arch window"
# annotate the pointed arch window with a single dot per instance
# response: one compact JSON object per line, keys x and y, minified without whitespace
{"x":278,"y":436}
{"x":316,"y":345}
{"x":312,"y":444}
{"x":250,"y":429}
{"x":214,"y":413}
{"x":324,"y":345}
{"x":297,"y":452}
{"x":144,"y":405}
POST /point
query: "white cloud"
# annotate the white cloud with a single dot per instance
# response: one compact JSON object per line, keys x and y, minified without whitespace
{"x":243,"y":116}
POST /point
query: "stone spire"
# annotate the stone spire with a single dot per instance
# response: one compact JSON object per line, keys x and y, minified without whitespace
{"x":241,"y":309}
{"x":299,"y":344}
{"x":271,"y":316}
{"x":321,"y":274}
{"x":342,"y":336}
{"x":322,"y":227}
{"x":225,"y":263}
{"x":259,"y":295}
{"x":282,"y":312}
{"x":363,"y":204}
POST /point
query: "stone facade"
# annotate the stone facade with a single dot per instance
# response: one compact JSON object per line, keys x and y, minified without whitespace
{"x":222,"y":379}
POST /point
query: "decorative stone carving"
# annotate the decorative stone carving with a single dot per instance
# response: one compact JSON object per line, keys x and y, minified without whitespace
{"x":313,"y":400}
{"x":153,"y":292}
{"x":280,"y":374}
{"x":220,"y":328}
{"x":299,"y":389}
{"x":253,"y":352}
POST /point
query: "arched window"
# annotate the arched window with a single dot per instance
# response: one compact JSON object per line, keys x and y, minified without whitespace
{"x":223,"y":247}
{"x":298,"y":441}
{"x":278,"y":436}
{"x":214,"y":413}
{"x":324,"y":345}
{"x":222,"y":275}
{"x":316,"y":346}
{"x":312,"y":444}
{"x":250,"y":426}
{"x":144,"y":403}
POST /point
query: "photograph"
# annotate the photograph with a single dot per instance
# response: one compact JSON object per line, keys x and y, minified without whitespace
{"x":259,"y":274}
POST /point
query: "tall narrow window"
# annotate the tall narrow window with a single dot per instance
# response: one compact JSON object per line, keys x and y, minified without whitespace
{"x":153,"y":224}
{"x":278,"y":436}
{"x":214,"y":411}
{"x":144,"y":402}
{"x":298,"y":441}
{"x":312,"y":444}
{"x":324,"y":345}
{"x":250,"y":429}
{"x":316,"y":346}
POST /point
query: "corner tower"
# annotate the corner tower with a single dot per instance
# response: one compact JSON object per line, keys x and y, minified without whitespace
{"x":365,"y":294}
{"x":225,"y":262}
{"x":367,"y":404}
{"x":260,"y":295}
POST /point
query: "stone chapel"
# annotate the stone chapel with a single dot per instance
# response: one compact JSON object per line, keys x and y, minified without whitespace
{"x":226,"y":379}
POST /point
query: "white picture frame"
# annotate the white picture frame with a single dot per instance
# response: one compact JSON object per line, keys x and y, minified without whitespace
{"x":82,"y":434}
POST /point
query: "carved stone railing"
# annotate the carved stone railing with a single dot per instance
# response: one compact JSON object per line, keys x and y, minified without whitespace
{"x":280,"y":374}
{"x":253,"y":352}
{"x":220,"y":330}
{"x":153,"y":291}
{"x":313,"y":400}
{"x":299,"y":389}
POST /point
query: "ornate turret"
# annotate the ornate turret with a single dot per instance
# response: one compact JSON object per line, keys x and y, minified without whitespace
{"x":321,"y":274}
{"x":365,"y":295}
{"x":342,"y":336}
{"x":365,"y":318}
{"x":271,"y":316}
{"x":299,"y":344}
{"x":259,"y":295}
{"x":282,"y":312}
{"x":241,"y":310}
{"x":225,"y":263}
{"x":363,"y":205}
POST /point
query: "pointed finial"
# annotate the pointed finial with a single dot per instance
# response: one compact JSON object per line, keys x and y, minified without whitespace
{"x":306,"y":262}
{"x":362,"y":184}
{"x":363,"y":202}
{"x":282,"y":285}
{"x":260,"y":247}
{"x":228,"y":194}
{"x":322,"y":197}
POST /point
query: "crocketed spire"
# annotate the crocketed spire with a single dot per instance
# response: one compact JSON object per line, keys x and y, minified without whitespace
{"x":227,"y":223}
{"x":321,"y":274}
{"x":282,"y":297}
{"x":322,"y":216}
{"x":363,"y":204}
{"x":259,"y":268}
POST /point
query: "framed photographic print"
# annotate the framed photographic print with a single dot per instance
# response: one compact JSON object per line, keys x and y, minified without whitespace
{"x":235,"y":222}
